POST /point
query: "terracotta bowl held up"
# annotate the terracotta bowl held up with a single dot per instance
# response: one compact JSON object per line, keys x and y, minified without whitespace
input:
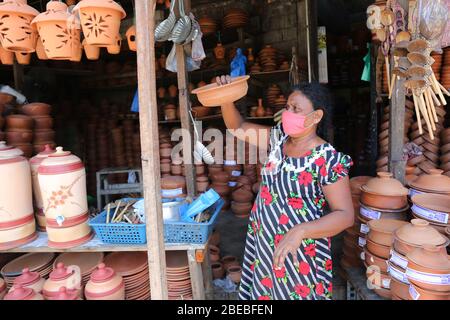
{"x":213,"y":95}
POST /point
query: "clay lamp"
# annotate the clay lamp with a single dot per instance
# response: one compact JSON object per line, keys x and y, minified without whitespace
{"x":384,"y":192}
{"x":40,"y":50}
{"x":29,"y":279}
{"x":105,"y":284}
{"x":18,"y":35}
{"x":21,"y":293}
{"x":115,"y":48}
{"x":213,"y":95}
{"x":434,"y":182}
{"x":432,"y":207}
{"x":416,"y":234}
{"x":429,"y":268}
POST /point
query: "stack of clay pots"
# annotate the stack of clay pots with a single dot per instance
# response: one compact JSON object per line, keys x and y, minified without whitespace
{"x":445,"y":71}
{"x":272,"y":93}
{"x":409,"y":266}
{"x":220,"y":180}
{"x":19,"y":133}
{"x":437,"y":64}
{"x":445,"y":151}
{"x":235,"y":18}
{"x":173,"y":187}
{"x":178,"y":277}
{"x":434,"y":208}
{"x":242,"y":197}
{"x":271,"y":59}
{"x":43,"y":125}
{"x":377,"y":251}
{"x":226,"y":266}
{"x":207,"y":25}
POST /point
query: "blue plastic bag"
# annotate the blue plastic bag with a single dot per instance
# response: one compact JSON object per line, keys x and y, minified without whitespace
{"x":238,"y":64}
{"x":135,"y":103}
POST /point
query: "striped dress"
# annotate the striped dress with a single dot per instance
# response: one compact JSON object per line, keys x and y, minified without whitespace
{"x":290,"y":193}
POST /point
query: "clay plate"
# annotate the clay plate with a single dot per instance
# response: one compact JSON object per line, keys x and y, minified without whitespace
{"x":33,"y":261}
{"x":127,"y":263}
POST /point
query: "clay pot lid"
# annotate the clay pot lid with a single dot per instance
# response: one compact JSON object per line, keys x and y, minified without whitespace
{"x":9,"y":151}
{"x":102,"y":273}
{"x":434,"y":181}
{"x":61,"y":272}
{"x":60,"y":157}
{"x":127,"y":263}
{"x":419,"y":232}
{"x":37,"y":159}
{"x":28,"y":277}
{"x":66,"y":294}
{"x":20,"y":293}
{"x":438,"y":202}
{"x":173,"y":182}
{"x":86,"y":261}
{"x":386,"y":225}
{"x":386,"y":185}
{"x":431,"y":257}
{"x":18,"y":6}
{"x":100,"y":4}
{"x":176,"y":259}
{"x":56,"y":11}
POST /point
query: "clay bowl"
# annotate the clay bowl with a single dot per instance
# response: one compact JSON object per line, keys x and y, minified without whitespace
{"x":373,"y":260}
{"x":20,"y":136}
{"x":36,"y":109}
{"x":241,"y":209}
{"x":18,"y":121}
{"x":381,"y":231}
{"x":378,"y":250}
{"x":213,"y":95}
{"x":242,"y":195}
{"x":220,"y":176}
{"x":383,"y":201}
{"x":424,"y":294}
{"x":43,"y":122}
{"x":435,"y":202}
{"x":399,"y":289}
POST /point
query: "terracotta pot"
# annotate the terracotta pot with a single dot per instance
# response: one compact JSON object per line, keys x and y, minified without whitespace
{"x":105,"y":284}
{"x":36,"y":109}
{"x":385,"y":184}
{"x":214,"y":168}
{"x":20,"y":36}
{"x":217,"y":270}
{"x":22,"y":136}
{"x":115,"y":48}
{"x":173,"y":186}
{"x":235,"y":272}
{"x":43,"y":135}
{"x":173,"y":91}
{"x":100,"y":20}
{"x":30,"y":280}
{"x":214,"y":253}
{"x":200,"y":169}
{"x":17,"y":225}
{"x":416,"y":234}
{"x":62,"y":180}
{"x":212,"y":95}
{"x":220,"y":177}
{"x":165,"y":165}
{"x":40,"y":50}
{"x":131,"y":38}
{"x":92,"y":52}
{"x":170,"y":112}
{"x":423,"y":294}
{"x":400,"y":289}
{"x":427,"y":204}
{"x":23,"y":58}
{"x":61,"y":276}
{"x":20,"y":293}
{"x":357,"y":182}
{"x":229,"y":261}
{"x":222,"y":189}
{"x":6,"y":57}
{"x":373,"y":260}
{"x":18,"y":121}
{"x":381,"y":231}
{"x":242,"y":195}
{"x":202,"y":183}
{"x":383,"y":201}
{"x":378,"y":279}
{"x":43,"y":122}
{"x":176,"y":168}
{"x":241,"y":209}
{"x":378,"y":250}
{"x":219,"y":51}
{"x":58,"y":30}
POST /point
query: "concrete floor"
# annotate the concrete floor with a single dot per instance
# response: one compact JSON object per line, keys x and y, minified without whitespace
{"x":233,"y":232}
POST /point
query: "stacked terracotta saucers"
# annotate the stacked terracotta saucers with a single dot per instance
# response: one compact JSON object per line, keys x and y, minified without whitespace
{"x":268,"y":58}
{"x":207,"y":25}
{"x":178,"y":276}
{"x":133,"y":267}
{"x":36,"y":262}
{"x":437,"y":64}
{"x":87,"y":261}
{"x":272,"y":93}
{"x":235,"y":18}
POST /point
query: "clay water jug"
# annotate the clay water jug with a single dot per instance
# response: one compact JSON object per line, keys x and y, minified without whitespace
{"x":260,"y":112}
{"x":219,"y":52}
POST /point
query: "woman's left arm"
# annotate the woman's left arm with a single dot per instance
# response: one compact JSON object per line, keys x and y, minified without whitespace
{"x":340,"y":218}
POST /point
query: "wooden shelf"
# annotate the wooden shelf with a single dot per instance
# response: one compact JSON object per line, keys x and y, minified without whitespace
{"x":96,"y":245}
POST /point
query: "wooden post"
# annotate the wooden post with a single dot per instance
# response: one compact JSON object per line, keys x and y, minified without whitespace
{"x":186,"y":123}
{"x":148,"y":118}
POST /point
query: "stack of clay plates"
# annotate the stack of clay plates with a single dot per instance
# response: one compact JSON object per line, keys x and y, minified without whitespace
{"x":268,"y":58}
{"x":178,"y":276}
{"x":37,"y":262}
{"x":235,"y":18}
{"x":272,"y":93}
{"x":87,"y":261}
{"x":133,"y":267}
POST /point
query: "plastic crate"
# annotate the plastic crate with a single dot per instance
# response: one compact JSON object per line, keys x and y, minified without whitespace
{"x":191,"y":232}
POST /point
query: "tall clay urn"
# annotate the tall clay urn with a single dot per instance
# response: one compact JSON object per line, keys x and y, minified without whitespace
{"x":17,"y":225}
{"x":62,"y":181}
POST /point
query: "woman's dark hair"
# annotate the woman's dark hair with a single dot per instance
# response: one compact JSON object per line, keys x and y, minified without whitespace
{"x":321,"y":99}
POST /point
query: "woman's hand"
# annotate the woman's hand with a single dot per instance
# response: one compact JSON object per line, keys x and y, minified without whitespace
{"x":290,"y":244}
{"x":225,"y":79}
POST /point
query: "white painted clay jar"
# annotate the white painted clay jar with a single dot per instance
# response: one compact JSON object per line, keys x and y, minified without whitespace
{"x":17,"y":225}
{"x":105,"y":284}
{"x":61,"y":276}
{"x":29,"y":279}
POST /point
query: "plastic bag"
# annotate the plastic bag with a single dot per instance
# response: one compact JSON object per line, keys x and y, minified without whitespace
{"x":238,"y":64}
{"x":135,"y":103}
{"x":198,"y":53}
{"x":432,"y":21}
{"x":171,"y":62}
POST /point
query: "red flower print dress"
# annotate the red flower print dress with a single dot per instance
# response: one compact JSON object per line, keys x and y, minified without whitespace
{"x":290,"y":193}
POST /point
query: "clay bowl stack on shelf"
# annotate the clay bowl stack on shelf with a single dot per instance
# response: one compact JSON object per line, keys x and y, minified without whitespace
{"x":411,"y":236}
{"x":242,"y":197}
{"x":19,"y":133}
{"x":35,"y":262}
{"x":86,"y":261}
{"x":434,"y":208}
{"x":207,"y":25}
{"x":178,"y":277}
{"x":428,"y":271}
{"x":445,"y":151}
{"x":235,"y":18}
{"x":133,"y":267}
{"x":437,"y":64}
{"x":43,"y":125}
{"x":220,"y":180}
{"x":445,"y":71}
{"x":272,"y":93}
{"x":268,"y":58}
{"x":377,"y":252}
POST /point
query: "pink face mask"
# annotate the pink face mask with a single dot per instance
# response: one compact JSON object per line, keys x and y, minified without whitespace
{"x":293,"y":123}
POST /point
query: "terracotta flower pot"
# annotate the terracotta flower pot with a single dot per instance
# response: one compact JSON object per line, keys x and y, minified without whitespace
{"x":100,"y":20}
{"x":131,"y":38}
{"x":6,"y":57}
{"x":105,"y":284}
{"x":217,"y":270}
{"x":36,"y":109}
{"x":23,"y":58}
{"x":235,"y":272}
{"x":57,"y":31}
{"x":92,"y":52}
{"x":20,"y":35}
{"x":115,"y":48}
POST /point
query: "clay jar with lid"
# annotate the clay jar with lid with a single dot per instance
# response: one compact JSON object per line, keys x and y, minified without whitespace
{"x":100,"y":20}
{"x":432,"y":207}
{"x":173,"y":187}
{"x":384,"y":192}
{"x":62,"y":181}
{"x":382,"y":231}
{"x":29,"y":279}
{"x":56,"y":31}
{"x":434,"y":182}
{"x":20,"y":35}
{"x":21,"y":293}
{"x":35,"y":162}
{"x":61,"y":276}
{"x":65,"y":294}
{"x":416,"y":234}
{"x":17,"y":224}
{"x":105,"y":284}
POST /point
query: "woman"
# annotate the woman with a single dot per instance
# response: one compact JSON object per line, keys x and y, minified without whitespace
{"x":288,"y":247}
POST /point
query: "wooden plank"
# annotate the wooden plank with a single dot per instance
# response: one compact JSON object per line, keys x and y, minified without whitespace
{"x":186,"y":123}
{"x":148,"y":119}
{"x":195,"y":268}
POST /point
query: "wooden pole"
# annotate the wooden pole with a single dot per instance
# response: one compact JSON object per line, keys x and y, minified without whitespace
{"x":148,"y":119}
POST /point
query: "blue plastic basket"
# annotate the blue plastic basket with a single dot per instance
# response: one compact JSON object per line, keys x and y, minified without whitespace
{"x":191,"y":232}
{"x":119,"y":233}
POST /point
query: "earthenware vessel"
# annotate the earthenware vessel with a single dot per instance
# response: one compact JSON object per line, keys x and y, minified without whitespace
{"x":105,"y":284}
{"x":213,"y":95}
{"x":21,"y":293}
{"x":29,"y":279}
{"x":62,"y":276}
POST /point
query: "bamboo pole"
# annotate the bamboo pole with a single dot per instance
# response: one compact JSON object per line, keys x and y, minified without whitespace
{"x":426,"y":102}
{"x":416,"y":107}
{"x":148,"y":119}
{"x":433,"y":107}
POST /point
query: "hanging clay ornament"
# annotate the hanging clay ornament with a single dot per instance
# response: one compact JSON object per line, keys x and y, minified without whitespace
{"x":23,"y":58}
{"x":6,"y":57}
{"x":131,"y":38}
{"x":40,"y":51}
{"x":92,"y":52}
{"x":115,"y":48}
{"x":100,"y":20}
{"x":17,"y":33}
{"x":57,"y":30}
{"x":219,"y":52}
